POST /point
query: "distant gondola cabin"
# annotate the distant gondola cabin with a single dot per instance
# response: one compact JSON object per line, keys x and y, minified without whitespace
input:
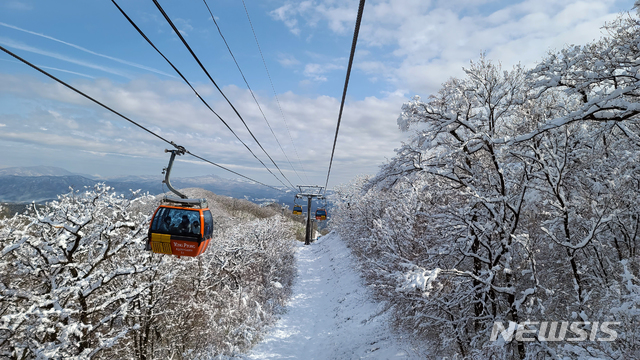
{"x":321,"y":214}
{"x":181,"y":227}
{"x":297,"y":210}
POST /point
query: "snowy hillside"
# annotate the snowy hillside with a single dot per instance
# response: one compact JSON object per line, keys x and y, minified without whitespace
{"x":163,"y":306}
{"x":76,"y":283}
{"x":330,"y":315}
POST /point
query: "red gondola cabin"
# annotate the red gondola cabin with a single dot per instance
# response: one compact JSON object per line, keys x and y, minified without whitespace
{"x":321,"y":214}
{"x":181,"y":227}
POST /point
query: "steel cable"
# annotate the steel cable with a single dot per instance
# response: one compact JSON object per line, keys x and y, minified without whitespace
{"x":275,"y":94}
{"x":249,"y":87}
{"x":346,"y":84}
{"x":192,"y":88}
{"x":184,"y":42}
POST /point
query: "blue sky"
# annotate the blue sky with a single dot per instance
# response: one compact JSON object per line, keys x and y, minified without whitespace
{"x":405,"y":48}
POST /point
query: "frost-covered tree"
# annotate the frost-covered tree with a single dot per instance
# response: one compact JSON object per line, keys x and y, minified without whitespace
{"x":60,"y":272}
{"x":476,"y":190}
{"x":76,"y":283}
{"x":586,"y":160}
{"x":514,"y":199}
{"x":217,"y":304}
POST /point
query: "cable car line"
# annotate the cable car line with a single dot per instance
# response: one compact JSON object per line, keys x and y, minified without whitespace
{"x":249,"y":87}
{"x":346,"y":84}
{"x":126,"y":118}
{"x":274,"y":92}
{"x":194,"y":90}
{"x":175,"y":29}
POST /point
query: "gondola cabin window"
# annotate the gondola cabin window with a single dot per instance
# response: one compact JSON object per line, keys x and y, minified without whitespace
{"x":208,"y":224}
{"x":177,"y":222}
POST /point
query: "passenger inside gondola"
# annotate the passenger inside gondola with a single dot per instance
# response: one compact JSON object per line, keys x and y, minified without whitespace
{"x":185,"y":225}
{"x":166,"y":224}
{"x":169,"y":223}
{"x":195,"y":228}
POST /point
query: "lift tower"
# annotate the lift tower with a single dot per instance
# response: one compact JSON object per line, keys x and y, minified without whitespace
{"x":309,"y":191}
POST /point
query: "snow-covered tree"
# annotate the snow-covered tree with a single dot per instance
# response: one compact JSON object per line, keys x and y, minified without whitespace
{"x":60,"y":270}
{"x":514,"y":199}
{"x":219,"y":303}
{"x":476,"y":189}
{"x":76,"y":282}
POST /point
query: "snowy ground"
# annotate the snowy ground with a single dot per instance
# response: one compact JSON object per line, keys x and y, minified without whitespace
{"x":330,"y":315}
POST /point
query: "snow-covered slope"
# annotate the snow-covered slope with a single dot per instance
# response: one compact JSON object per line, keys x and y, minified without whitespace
{"x":330,"y":315}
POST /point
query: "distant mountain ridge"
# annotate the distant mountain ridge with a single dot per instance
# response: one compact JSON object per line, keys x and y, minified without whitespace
{"x":35,"y":171}
{"x":42,"y":183}
{"x":25,"y":189}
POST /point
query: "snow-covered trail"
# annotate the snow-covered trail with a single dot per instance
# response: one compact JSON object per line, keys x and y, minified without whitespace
{"x":330,"y":315}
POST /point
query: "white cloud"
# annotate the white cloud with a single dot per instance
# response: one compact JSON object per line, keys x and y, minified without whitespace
{"x":405,"y":47}
{"x":184,"y":26}
{"x":287,"y":60}
{"x":21,"y":46}
{"x":61,"y":120}
{"x":18,"y":5}
{"x":85,"y":50}
{"x":434,"y":44}
{"x":286,"y":14}
{"x":317,"y":72}
{"x":367,"y":135}
{"x":419,"y":44}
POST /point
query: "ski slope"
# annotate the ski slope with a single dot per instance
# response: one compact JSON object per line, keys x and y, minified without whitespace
{"x":330,"y":315}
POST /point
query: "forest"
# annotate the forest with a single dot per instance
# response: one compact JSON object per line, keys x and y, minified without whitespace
{"x":514,"y":201}
{"x":76,"y":282}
